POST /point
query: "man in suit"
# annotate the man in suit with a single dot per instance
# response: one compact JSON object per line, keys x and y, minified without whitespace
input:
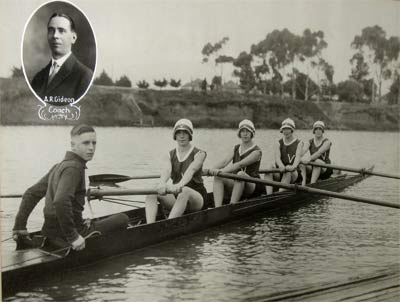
{"x":65,"y":79}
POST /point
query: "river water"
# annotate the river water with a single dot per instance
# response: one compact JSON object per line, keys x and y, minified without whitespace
{"x":247,"y":260}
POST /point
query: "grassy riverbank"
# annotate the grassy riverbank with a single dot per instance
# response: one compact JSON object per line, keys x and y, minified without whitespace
{"x":110,"y":106}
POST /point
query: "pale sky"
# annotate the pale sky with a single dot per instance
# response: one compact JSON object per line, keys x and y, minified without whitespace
{"x":155,"y":39}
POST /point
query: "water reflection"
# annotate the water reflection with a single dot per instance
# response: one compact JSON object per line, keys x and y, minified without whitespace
{"x":252,"y":257}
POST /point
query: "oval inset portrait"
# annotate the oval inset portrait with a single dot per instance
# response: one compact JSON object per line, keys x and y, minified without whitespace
{"x":59,"y":53}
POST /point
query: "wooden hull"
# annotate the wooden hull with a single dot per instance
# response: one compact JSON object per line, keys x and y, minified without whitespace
{"x":21,"y":267}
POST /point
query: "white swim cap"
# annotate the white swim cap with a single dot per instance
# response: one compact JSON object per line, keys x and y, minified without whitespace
{"x":185,"y":125}
{"x":288,"y":124}
{"x":247,"y":124}
{"x":318,"y":124}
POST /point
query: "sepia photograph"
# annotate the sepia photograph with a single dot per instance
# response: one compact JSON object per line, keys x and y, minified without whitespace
{"x":190,"y":150}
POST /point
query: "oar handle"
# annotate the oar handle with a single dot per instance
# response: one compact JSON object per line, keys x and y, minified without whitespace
{"x":306,"y":189}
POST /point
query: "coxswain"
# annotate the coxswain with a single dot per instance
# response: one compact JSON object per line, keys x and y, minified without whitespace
{"x":183,"y":166}
{"x":64,"y":191}
{"x":244,"y":160}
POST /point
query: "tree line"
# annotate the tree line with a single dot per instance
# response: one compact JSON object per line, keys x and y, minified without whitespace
{"x":105,"y":80}
{"x":286,"y":63}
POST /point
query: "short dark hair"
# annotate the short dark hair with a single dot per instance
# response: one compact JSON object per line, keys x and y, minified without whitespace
{"x":69,"y":18}
{"x":80,"y":129}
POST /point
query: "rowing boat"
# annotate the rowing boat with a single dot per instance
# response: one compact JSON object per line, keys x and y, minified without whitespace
{"x":21,"y":267}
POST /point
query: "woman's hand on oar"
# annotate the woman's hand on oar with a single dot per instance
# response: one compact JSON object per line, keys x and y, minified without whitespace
{"x":307,"y":189}
{"x":356,"y":170}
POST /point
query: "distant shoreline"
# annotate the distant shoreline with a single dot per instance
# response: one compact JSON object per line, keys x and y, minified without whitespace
{"x":208,"y":128}
{"x":128,"y":107}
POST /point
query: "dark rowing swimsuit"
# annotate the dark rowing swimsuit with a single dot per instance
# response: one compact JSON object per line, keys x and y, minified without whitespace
{"x":324,"y":157}
{"x":288,"y":155}
{"x":288,"y":152}
{"x":180,"y":167}
{"x":252,"y":169}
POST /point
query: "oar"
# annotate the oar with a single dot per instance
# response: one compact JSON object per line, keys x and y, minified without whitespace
{"x":99,"y":179}
{"x":99,"y":193}
{"x":11,"y":196}
{"x":115,"y":178}
{"x":305,"y":189}
{"x":361,"y":171}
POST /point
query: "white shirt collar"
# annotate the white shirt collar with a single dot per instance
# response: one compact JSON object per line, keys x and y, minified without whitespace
{"x":61,"y":60}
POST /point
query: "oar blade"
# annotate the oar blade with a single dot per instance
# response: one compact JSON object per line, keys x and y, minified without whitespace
{"x":111,"y":179}
{"x":107,"y":179}
{"x":103,"y":184}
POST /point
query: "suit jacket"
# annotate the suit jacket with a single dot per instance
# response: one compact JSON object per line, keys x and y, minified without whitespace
{"x":70,"y":82}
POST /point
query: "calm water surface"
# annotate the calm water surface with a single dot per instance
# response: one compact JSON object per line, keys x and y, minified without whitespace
{"x":248,"y":260}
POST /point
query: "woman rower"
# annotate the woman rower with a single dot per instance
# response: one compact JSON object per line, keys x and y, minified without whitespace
{"x":319,"y":147}
{"x":245,"y":158}
{"x":184,"y":166}
{"x":287,"y":154}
